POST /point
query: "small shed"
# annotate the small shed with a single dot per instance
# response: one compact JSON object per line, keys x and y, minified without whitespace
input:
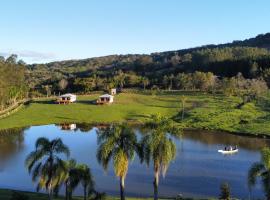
{"x":113,"y":91}
{"x":105,"y":99}
{"x":67,"y":98}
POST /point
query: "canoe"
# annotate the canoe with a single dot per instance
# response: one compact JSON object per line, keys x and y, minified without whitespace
{"x":228,"y":151}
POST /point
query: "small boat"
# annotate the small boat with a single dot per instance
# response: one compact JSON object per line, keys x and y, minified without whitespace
{"x":228,"y":151}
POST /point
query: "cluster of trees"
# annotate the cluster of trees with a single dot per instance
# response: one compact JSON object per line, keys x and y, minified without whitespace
{"x":12,"y":81}
{"x":180,"y":72}
{"x":197,"y":81}
{"x":117,"y":143}
{"x":237,"y":85}
{"x":52,"y":172}
{"x":119,"y":79}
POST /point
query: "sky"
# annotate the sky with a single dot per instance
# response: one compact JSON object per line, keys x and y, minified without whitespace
{"x":49,"y":30}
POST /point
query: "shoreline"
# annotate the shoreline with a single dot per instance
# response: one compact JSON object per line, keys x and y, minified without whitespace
{"x":137,"y":124}
{"x":7,"y":192}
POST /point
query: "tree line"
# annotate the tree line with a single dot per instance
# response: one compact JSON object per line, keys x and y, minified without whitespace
{"x":146,"y":71}
{"x":12,"y":81}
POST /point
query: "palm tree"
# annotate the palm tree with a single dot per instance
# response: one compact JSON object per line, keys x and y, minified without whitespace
{"x":261,"y":170}
{"x":99,"y":195}
{"x":157,"y":145}
{"x":119,"y":143}
{"x":70,"y":177}
{"x":44,"y":163}
{"x":86,"y":179}
{"x":183,"y":100}
{"x":120,"y":79}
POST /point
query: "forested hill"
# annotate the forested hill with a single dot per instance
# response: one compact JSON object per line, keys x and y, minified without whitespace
{"x":251,"y":57}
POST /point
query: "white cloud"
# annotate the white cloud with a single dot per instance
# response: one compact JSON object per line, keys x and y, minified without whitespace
{"x":26,"y":55}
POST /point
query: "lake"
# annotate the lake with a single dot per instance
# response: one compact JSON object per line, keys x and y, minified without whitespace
{"x":197,"y":171}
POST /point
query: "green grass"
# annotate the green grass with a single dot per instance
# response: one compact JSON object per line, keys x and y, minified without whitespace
{"x":203,"y":111}
{"x":6,"y":194}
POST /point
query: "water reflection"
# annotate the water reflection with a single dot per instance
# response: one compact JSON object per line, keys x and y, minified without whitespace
{"x":68,"y":126}
{"x":198,"y":169}
{"x":226,"y":139}
{"x":11,"y":142}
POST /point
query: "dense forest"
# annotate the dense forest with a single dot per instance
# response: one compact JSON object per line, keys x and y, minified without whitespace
{"x":12,"y":81}
{"x":250,"y":57}
{"x":207,"y":68}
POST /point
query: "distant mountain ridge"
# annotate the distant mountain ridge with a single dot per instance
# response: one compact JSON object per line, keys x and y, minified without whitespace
{"x":260,"y":41}
{"x":251,"y":57}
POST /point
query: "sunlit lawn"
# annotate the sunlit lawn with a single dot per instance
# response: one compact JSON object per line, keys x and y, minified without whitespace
{"x":203,"y":111}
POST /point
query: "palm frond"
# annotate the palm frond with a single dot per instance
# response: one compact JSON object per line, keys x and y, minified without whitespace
{"x":254,"y":172}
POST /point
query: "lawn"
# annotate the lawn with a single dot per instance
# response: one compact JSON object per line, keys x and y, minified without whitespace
{"x":7,"y":194}
{"x":203,"y":111}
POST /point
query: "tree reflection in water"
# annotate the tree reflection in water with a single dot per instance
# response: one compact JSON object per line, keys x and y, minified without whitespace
{"x":11,"y":142}
{"x":216,"y":138}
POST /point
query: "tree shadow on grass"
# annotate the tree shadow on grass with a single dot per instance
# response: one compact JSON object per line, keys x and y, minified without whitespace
{"x":66,"y":118}
{"x":87,"y":102}
{"x":159,"y":106}
{"x":44,"y":102}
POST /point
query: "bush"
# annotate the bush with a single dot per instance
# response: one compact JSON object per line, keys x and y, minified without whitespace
{"x":19,"y":196}
{"x":225,"y":191}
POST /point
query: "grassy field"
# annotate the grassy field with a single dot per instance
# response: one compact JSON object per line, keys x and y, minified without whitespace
{"x":203,"y":111}
{"x":7,"y":194}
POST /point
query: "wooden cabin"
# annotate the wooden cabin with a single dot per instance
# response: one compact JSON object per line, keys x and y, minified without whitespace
{"x":105,"y":99}
{"x":66,"y":99}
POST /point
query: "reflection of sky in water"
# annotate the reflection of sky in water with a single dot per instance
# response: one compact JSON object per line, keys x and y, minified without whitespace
{"x":198,"y":170}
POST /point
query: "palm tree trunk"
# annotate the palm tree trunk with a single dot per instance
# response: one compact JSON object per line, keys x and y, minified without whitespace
{"x":84,"y":192}
{"x":50,"y":192}
{"x":155,"y":183}
{"x":122,"y":188}
{"x":66,"y":191}
{"x":50,"y":177}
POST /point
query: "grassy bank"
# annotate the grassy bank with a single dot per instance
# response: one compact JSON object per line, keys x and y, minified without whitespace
{"x":203,"y":111}
{"x":7,"y":194}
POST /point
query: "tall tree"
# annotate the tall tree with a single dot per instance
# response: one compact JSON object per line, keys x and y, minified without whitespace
{"x":71,"y":177}
{"x":117,"y":143}
{"x":261,"y":170}
{"x":157,"y":146}
{"x":45,"y":163}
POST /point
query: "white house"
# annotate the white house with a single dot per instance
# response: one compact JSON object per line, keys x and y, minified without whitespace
{"x":105,"y":99}
{"x":67,"y":98}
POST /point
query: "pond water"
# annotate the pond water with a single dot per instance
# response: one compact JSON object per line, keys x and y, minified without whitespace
{"x":197,"y":171}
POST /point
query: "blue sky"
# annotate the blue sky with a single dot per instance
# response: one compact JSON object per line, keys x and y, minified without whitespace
{"x":48,"y":30}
